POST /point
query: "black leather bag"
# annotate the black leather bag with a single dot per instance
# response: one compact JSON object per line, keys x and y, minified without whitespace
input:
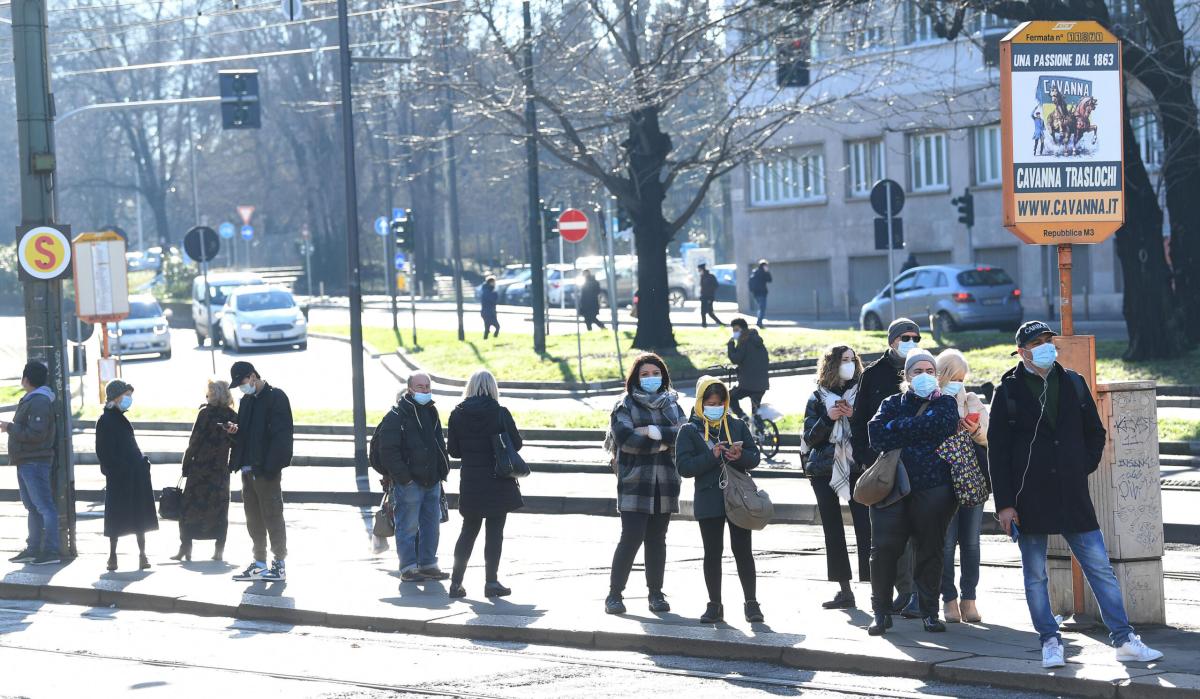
{"x":509,"y":463}
{"x":170,"y":503}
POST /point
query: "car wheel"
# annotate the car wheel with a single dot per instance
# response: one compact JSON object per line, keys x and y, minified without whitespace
{"x":302,"y":346}
{"x":199,"y":339}
{"x":166,"y":355}
{"x":872,"y":322}
{"x":945,"y":322}
{"x":676,"y":296}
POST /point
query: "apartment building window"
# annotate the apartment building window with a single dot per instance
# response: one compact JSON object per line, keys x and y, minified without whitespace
{"x":918,"y":26}
{"x":792,"y":178}
{"x":864,"y":166}
{"x":1149,"y":137}
{"x":987,"y":154}
{"x":929,"y":171}
{"x":986,"y":22}
{"x":862,"y":36}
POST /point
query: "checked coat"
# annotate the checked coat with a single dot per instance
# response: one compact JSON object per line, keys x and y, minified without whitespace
{"x":647,"y":480}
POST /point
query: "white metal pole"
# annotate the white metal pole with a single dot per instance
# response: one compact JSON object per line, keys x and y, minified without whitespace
{"x":611,"y":273}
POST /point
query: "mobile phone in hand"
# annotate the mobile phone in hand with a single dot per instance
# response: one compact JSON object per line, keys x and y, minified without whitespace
{"x":973,"y":417}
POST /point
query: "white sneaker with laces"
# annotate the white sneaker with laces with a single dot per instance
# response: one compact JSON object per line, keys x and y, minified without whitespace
{"x":1052,"y":654}
{"x":253,"y":572}
{"x":1134,"y":651}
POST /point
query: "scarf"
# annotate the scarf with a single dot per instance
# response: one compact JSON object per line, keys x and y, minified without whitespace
{"x":839,"y":437}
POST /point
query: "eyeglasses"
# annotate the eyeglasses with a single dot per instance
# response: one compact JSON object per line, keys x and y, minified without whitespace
{"x":910,"y":338}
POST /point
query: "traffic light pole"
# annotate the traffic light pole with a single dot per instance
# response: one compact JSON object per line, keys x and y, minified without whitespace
{"x":537,"y":286}
{"x":44,"y":330}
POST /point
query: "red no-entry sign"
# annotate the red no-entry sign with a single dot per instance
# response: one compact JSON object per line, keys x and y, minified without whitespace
{"x":573,"y":225}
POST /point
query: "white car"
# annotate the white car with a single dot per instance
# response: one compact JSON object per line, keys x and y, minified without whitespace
{"x":220,"y":284}
{"x":262,"y":316}
{"x":144,"y":331}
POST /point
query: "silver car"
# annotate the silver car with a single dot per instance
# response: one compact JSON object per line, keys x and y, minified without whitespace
{"x":144,"y":331}
{"x":263,"y":316}
{"x":953,"y":296}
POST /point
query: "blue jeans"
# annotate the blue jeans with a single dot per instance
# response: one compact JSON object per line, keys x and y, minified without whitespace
{"x":33,"y":480}
{"x":760,"y":302}
{"x":963,"y":533}
{"x":1089,"y":550}
{"x":418,"y":521}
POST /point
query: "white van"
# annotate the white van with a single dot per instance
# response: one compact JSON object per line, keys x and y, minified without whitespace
{"x":207,"y":317}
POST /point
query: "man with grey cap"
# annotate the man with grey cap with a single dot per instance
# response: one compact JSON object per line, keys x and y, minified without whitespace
{"x":1044,"y":440}
{"x":262,"y":448}
{"x":879,"y":380}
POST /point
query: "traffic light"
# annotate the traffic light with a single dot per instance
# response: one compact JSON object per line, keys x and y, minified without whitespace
{"x":402,"y":230}
{"x":966,"y":208}
{"x":239,"y":99}
{"x":791,"y":63}
{"x":550,"y":216}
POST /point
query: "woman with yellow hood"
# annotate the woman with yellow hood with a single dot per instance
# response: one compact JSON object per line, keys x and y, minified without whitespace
{"x":710,"y":442}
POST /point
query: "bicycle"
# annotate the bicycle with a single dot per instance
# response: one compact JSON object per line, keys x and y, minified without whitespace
{"x":762,"y":427}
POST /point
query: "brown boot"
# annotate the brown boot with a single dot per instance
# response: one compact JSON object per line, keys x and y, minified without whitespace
{"x":950,"y":611}
{"x":970,"y":613}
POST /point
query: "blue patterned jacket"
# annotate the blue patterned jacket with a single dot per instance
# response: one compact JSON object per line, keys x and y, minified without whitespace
{"x":898,"y":426}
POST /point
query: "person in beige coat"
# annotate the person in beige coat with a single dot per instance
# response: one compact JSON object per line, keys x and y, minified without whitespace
{"x":963,"y":532}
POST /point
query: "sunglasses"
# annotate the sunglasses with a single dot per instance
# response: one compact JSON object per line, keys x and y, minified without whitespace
{"x":910,"y":338}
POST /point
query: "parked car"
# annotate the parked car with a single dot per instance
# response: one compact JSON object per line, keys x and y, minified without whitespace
{"x":150,"y":259}
{"x":220,"y":284}
{"x":263,"y":316}
{"x":679,"y":280}
{"x":144,"y":331}
{"x":726,"y":282}
{"x":560,"y":283}
{"x":513,"y":274}
{"x":953,"y":296}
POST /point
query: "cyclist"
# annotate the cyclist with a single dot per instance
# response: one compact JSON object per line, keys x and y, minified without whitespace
{"x":747,"y":351}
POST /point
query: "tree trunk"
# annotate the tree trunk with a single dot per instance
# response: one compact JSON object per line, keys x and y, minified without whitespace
{"x":1152,"y":323}
{"x":648,"y":147}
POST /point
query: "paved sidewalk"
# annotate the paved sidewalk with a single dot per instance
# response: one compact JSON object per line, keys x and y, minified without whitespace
{"x":558,"y":569}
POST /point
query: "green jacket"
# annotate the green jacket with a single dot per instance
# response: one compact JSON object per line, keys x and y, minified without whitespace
{"x":694,"y":459}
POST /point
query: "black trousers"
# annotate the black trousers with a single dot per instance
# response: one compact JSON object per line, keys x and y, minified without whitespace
{"x":592,"y":319}
{"x":491,"y":326}
{"x":735,"y":400}
{"x":837,"y":556}
{"x":638,"y":529}
{"x":712,"y":532}
{"x":493,"y":544}
{"x":923,"y":515}
{"x":706,"y":312}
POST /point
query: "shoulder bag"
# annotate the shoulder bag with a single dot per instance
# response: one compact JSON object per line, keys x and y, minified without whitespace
{"x":970,"y":484}
{"x":509,"y":463}
{"x":877,"y":482}
{"x":745,"y":505}
{"x":170,"y":503}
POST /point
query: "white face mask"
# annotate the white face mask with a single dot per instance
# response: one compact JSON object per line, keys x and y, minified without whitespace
{"x":906,"y":347}
{"x":952,"y":388}
{"x":846,"y":371}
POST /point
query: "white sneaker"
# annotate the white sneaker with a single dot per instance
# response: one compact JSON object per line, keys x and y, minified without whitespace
{"x":1134,"y":651}
{"x":1052,"y":654}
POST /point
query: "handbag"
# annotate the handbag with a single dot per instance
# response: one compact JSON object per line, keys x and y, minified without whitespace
{"x":745,"y":505}
{"x":384,"y":525}
{"x":509,"y":463}
{"x":970,"y":485}
{"x":876,"y":483}
{"x":445,"y":507}
{"x":170,"y":503}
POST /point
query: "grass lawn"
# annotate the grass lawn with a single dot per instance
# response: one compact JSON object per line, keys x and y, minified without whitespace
{"x":9,"y":395}
{"x":1174,"y":429}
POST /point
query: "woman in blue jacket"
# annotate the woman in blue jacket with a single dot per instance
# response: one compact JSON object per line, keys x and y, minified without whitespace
{"x":916,"y":421}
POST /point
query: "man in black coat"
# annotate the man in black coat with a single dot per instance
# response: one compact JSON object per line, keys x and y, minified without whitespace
{"x":759,"y":279}
{"x":708,"y":294}
{"x":412,"y":452}
{"x":589,"y":300}
{"x":880,"y":380}
{"x":1044,"y":440}
{"x":747,"y":350}
{"x":262,"y":448}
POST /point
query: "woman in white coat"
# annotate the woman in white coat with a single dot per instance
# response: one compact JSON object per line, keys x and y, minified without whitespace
{"x":963,"y":532}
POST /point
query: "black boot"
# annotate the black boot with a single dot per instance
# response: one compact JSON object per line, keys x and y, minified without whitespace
{"x":880,"y":625}
{"x":714,"y":613}
{"x":659,"y":603}
{"x":913,"y":609}
{"x":495,"y":589}
{"x":933,"y":624}
{"x":842,"y":600}
{"x":754,"y":613}
{"x":613,"y":604}
{"x":456,"y":578}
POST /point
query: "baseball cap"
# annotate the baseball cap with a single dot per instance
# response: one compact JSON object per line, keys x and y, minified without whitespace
{"x":1030,"y":331}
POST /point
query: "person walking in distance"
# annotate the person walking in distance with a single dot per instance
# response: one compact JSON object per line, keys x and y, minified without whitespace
{"x":832,"y":470}
{"x":31,"y":449}
{"x":482,"y":497}
{"x":1045,"y":438}
{"x":748,"y":352}
{"x":965,"y":525}
{"x":915,"y":421}
{"x":881,"y":379}
{"x":488,"y":298}
{"x":205,"y":513}
{"x":128,"y":494}
{"x":708,"y":294}
{"x":262,"y":448}
{"x":642,"y":430}
{"x":412,"y":451}
{"x":589,"y":300}
{"x":759,"y":279}
{"x":709,"y":442}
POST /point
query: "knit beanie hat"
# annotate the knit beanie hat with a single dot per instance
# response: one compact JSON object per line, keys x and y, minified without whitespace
{"x":917,"y":355}
{"x":900,"y":326}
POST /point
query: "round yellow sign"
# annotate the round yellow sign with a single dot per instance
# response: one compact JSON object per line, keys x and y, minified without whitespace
{"x":44,"y":253}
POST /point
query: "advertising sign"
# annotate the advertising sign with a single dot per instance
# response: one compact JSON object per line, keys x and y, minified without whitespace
{"x":1061,"y":118}
{"x":101,"y":278}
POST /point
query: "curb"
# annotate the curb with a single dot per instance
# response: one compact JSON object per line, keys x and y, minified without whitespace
{"x":923,"y":663}
{"x":367,"y":347}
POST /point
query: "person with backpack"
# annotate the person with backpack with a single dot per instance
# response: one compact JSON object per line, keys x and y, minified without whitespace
{"x":644,"y":424}
{"x":409,"y":449}
{"x":31,"y":449}
{"x":1045,"y":438}
{"x":710,"y":442}
{"x":916,"y":422}
{"x":482,"y":497}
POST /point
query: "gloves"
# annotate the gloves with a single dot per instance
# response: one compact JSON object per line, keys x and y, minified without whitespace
{"x":654,"y":433}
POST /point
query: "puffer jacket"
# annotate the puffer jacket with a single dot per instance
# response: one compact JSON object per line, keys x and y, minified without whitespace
{"x":694,"y":457}
{"x":31,"y":432}
{"x":898,"y":425}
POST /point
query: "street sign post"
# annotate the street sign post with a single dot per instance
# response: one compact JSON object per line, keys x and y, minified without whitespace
{"x":101,"y":291}
{"x":226,"y":230}
{"x":247,"y":232}
{"x":887,"y":198}
{"x":202,"y":245}
{"x":573,"y":228}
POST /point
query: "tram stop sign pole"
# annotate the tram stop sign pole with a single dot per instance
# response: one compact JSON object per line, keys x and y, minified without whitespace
{"x":202,"y":244}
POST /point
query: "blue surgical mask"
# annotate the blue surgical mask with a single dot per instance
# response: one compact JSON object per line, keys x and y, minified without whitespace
{"x":952,"y":388}
{"x":125,"y":403}
{"x":906,"y":347}
{"x":246,"y":388}
{"x":1044,"y":356}
{"x":737,"y":334}
{"x":714,"y":412}
{"x":923,"y":384}
{"x":422,"y":398}
{"x":650,"y":384}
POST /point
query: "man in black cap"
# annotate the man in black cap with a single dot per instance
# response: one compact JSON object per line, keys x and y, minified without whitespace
{"x":708,"y":294}
{"x":1044,"y":440}
{"x":262,"y":448}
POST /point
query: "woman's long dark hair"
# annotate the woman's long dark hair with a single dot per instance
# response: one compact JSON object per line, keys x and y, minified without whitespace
{"x":631,"y":382}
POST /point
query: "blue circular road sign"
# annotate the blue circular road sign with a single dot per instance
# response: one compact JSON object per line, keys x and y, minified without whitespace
{"x":226,"y":230}
{"x":247,"y":232}
{"x":400,"y":260}
{"x":381,"y":225}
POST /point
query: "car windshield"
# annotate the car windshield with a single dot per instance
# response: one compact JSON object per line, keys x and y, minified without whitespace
{"x":984,"y":276}
{"x":514,"y":272}
{"x":265,"y":301}
{"x":220,"y":293}
{"x":144,"y":309}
